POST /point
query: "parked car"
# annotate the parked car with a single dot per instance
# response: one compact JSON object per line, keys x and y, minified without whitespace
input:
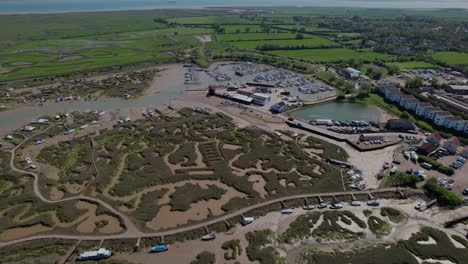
{"x":465,"y":192}
{"x":356,"y":203}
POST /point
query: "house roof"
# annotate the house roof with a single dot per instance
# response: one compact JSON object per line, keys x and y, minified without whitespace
{"x":444,"y":113}
{"x":434,"y":109}
{"x":436,"y":136}
{"x":412,"y":100}
{"x":454,"y":140}
{"x":427,"y":147}
{"x":454,"y":118}
{"x":424,"y":104}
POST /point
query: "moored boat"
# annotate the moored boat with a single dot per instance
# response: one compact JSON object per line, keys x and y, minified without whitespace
{"x":209,"y":237}
{"x":246,"y":220}
{"x":159,"y":248}
{"x":100,"y":253}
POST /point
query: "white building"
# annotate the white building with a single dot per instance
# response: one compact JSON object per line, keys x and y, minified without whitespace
{"x":404,"y":99}
{"x":455,"y":122}
{"x":391,"y":93}
{"x":422,"y":107}
{"x":431,"y":112}
{"x":440,"y":117}
{"x":260,"y":99}
{"x":411,"y":103}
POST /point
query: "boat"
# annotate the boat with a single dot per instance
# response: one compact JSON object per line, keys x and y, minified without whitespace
{"x":209,"y":237}
{"x":420,"y":206}
{"x":373,"y":203}
{"x":100,"y":253}
{"x":246,"y":220}
{"x":159,"y":248}
{"x":322,"y":205}
{"x":69,"y":131}
{"x":308,"y":207}
{"x":287,"y":211}
{"x":336,"y":206}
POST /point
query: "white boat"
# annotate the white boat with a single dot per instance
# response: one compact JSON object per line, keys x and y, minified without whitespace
{"x":308,"y":207}
{"x":287,"y":211}
{"x":209,"y":237}
{"x":420,"y":206}
{"x":336,"y":206}
{"x":246,"y":220}
{"x":69,"y":131}
{"x":322,"y":205}
{"x":98,"y":254}
{"x":373,"y":203}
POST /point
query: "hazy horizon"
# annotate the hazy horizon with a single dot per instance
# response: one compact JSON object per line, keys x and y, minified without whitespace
{"x":56,"y":6}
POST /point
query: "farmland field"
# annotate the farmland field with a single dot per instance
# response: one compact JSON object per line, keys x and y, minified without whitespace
{"x":452,"y":58}
{"x":414,"y":65}
{"x":330,"y":55}
{"x":259,"y":36}
{"x":313,"y":42}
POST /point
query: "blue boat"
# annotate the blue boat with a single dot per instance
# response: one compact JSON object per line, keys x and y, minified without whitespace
{"x":159,"y":248}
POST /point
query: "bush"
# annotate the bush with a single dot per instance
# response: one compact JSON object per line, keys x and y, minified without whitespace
{"x":437,"y":166}
{"x":234,"y":248}
{"x":393,"y":214}
{"x":401,"y":179}
{"x":204,"y":257}
{"x":444,"y":197}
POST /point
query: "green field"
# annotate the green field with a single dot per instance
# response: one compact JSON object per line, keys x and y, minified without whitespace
{"x":306,"y":28}
{"x":330,"y":55}
{"x":314,"y":42}
{"x":414,"y":65}
{"x":248,"y":28}
{"x":259,"y":36}
{"x":230,"y":19}
{"x":452,"y":58}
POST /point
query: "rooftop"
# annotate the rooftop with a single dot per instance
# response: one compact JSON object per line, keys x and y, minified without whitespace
{"x":459,"y":87}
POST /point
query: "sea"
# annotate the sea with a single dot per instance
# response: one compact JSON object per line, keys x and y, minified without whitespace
{"x":60,"y":6}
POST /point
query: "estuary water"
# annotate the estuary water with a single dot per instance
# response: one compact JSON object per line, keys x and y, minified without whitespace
{"x":58,"y":6}
{"x":339,"y":111}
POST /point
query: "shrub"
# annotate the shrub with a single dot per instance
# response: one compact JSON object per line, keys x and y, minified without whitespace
{"x":444,"y":197}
